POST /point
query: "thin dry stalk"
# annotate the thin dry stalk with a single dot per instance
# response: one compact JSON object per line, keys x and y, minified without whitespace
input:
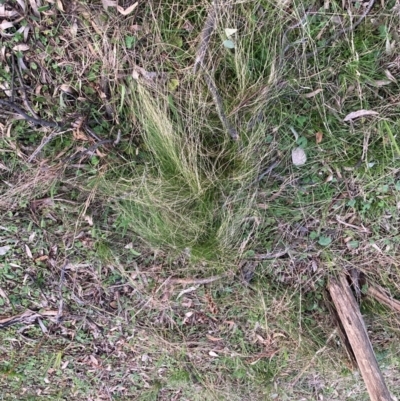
{"x":206,"y":33}
{"x":220,"y":108}
{"x":45,"y":141}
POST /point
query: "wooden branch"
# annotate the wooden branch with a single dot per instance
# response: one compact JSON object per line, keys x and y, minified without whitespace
{"x":381,"y":296}
{"x":206,"y":33}
{"x":354,"y":327}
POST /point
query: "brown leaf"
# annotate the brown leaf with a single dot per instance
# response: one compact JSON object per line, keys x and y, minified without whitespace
{"x":211,"y":304}
{"x":28,"y":252}
{"x":8,"y":13}
{"x":109,"y":3}
{"x":34,"y":7}
{"x":360,"y":113}
{"x":127,"y":11}
{"x":318,"y":137}
{"x":60,"y":5}
{"x":213,"y":339}
{"x":79,"y":135}
{"x":313,"y":93}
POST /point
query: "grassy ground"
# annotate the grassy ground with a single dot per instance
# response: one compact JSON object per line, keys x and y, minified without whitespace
{"x":104,"y":245}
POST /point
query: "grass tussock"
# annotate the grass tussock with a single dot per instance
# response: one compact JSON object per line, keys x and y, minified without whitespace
{"x":193,"y":190}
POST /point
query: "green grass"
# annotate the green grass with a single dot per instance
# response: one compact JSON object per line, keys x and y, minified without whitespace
{"x":177,"y":198}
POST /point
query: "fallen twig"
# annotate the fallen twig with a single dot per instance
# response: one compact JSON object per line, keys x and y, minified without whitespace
{"x":198,"y":281}
{"x":23,"y":90}
{"x":61,"y":299}
{"x":220,"y":108}
{"x":271,"y":255}
{"x":27,"y":317}
{"x":206,"y":36}
{"x":379,"y":294}
{"x":361,"y":229}
{"x":45,"y":141}
{"x":201,"y":53}
{"x":37,"y":121}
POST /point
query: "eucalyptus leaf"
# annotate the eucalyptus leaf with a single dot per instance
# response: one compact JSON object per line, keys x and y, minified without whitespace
{"x":4,"y":249}
{"x":228,"y":44}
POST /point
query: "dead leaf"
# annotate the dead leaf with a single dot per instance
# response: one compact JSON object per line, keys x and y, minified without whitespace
{"x":214,"y":354}
{"x":381,"y":82}
{"x":4,"y":296}
{"x":108,"y":3}
{"x":213,"y":339}
{"x":139,"y":71}
{"x":390,"y":76}
{"x":28,"y":252}
{"x":69,"y":89}
{"x":128,"y":10}
{"x":5,"y":25}
{"x":21,"y":47}
{"x":79,"y":135}
{"x":299,"y":156}
{"x":42,"y":326}
{"x":8,"y":13}
{"x":211,"y":304}
{"x":21,"y":4}
{"x":187,"y":290}
{"x":360,"y":113}
{"x":94,"y":360}
{"x":74,"y":29}
{"x":41,"y":258}
{"x":318,"y":137}
{"x":89,"y":219}
{"x":60,"y":5}
{"x":26,"y":33}
{"x":313,"y":93}
{"x":34,"y":8}
{"x":4,"y":250}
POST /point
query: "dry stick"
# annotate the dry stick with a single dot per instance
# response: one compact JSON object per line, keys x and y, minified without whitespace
{"x":272,"y":255}
{"x":207,"y":31}
{"x":198,"y":281}
{"x":381,"y":296}
{"x":220,"y":108}
{"x":45,"y":141}
{"x":354,"y":327}
{"x":37,"y":121}
{"x":205,"y":36}
{"x":60,"y":294}
{"x":12,"y":78}
{"x":24,"y":95}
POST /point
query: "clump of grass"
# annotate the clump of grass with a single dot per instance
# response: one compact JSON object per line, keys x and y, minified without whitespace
{"x":194,"y":189}
{"x":187,"y":194}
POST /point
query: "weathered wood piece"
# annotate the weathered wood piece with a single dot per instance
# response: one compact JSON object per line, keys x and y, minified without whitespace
{"x":382,"y":296}
{"x":354,"y":327}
